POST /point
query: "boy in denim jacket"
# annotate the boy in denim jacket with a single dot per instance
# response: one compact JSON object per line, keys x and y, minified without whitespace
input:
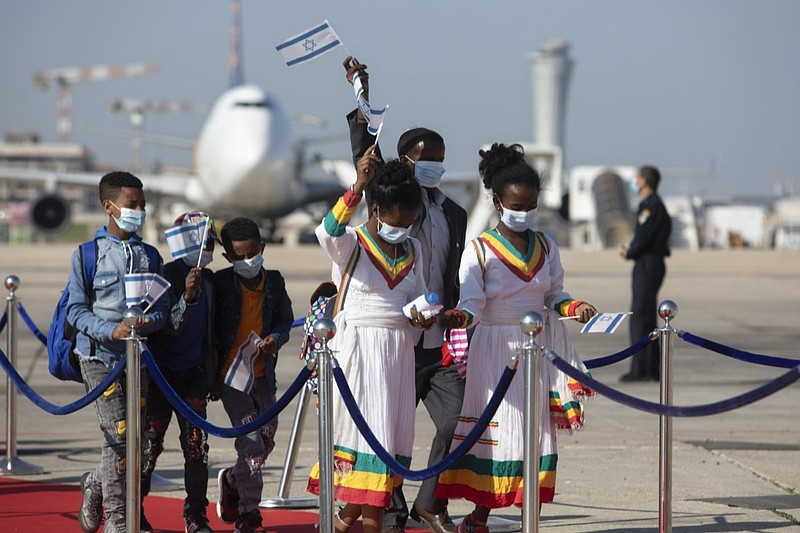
{"x":96,"y":312}
{"x":248,"y":299}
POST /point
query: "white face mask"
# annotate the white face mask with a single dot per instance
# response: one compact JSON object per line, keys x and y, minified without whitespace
{"x":130,"y":220}
{"x":392,"y":234}
{"x":249,"y":268}
{"x":205,"y":259}
{"x":518,"y":221}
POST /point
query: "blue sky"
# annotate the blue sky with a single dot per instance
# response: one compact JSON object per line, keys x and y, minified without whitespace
{"x":675,"y":84}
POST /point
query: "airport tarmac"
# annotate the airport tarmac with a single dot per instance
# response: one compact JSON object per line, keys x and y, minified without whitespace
{"x":737,"y":471}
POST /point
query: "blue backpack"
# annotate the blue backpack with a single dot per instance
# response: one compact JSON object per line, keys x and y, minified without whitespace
{"x":61,"y":358}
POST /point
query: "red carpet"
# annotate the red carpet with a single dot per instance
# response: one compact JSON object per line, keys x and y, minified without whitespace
{"x":27,"y":506}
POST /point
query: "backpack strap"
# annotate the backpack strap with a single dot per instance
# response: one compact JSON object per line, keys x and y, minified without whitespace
{"x":348,"y":275}
{"x":480,"y":251}
{"x":543,"y":241}
{"x":88,"y":255}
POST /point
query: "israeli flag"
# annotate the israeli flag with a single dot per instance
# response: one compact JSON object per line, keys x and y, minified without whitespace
{"x":186,"y":239}
{"x":604,"y":323}
{"x":240,"y":374}
{"x":309,"y":44}
{"x":374,"y":117}
{"x":144,"y":287}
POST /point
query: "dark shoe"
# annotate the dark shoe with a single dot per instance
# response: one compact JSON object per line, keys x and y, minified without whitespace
{"x":196,"y":523}
{"x":228,"y":503}
{"x":630,"y":376}
{"x":392,"y":529}
{"x":466,"y":526}
{"x":249,"y":522}
{"x":438,"y":523}
{"x":91,"y":512}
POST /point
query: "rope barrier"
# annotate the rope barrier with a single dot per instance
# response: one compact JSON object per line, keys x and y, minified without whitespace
{"x":741,"y":355}
{"x":31,"y":326}
{"x":673,"y":410}
{"x":52,"y":408}
{"x":207,"y":426}
{"x":619,"y":356}
{"x":451,"y":458}
{"x":3,"y":321}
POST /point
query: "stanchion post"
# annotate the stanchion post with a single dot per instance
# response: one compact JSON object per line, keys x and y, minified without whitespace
{"x":531,"y":323}
{"x":324,"y":330}
{"x":282,"y":501}
{"x":133,"y":423}
{"x":12,"y":464}
{"x":667,"y":311}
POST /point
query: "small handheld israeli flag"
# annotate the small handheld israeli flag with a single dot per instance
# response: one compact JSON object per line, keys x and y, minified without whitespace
{"x":374,"y":117}
{"x":186,"y":239}
{"x":309,"y":44}
{"x":604,"y":323}
{"x":145,"y":287}
{"x":240,"y":375}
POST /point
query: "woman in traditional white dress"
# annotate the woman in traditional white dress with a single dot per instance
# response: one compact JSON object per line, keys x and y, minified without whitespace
{"x":505,"y":272}
{"x":377,"y":270}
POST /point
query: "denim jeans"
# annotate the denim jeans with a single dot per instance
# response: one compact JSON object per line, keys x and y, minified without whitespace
{"x":110,"y":407}
{"x":252,"y":449}
{"x":190,"y":385}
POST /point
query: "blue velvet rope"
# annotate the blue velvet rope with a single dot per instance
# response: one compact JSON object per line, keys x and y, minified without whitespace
{"x":207,"y":426}
{"x":31,"y":326}
{"x":673,"y":410}
{"x":451,"y":458}
{"x":298,"y":322}
{"x":741,"y":355}
{"x":52,"y":408}
{"x":619,"y":356}
{"x":3,"y":321}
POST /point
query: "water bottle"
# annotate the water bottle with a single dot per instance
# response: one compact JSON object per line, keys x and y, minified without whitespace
{"x":427,"y":305}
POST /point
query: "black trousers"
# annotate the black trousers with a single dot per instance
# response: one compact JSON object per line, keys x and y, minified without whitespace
{"x":648,"y":275}
{"x":191,"y":387}
{"x":441,"y":390}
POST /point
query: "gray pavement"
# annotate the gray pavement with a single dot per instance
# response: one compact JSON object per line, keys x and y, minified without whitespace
{"x":738,"y":471}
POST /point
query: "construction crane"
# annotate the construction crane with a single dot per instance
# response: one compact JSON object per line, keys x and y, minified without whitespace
{"x":66,"y":77}
{"x":138,"y":107}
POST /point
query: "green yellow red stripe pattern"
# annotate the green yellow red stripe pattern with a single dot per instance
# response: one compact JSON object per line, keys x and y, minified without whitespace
{"x":392,"y":270}
{"x":568,"y":307}
{"x":495,"y":484}
{"x":360,"y":478}
{"x":337,"y":218}
{"x":524,"y":267}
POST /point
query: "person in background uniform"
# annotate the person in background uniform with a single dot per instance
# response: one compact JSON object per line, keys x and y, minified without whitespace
{"x":184,"y":351}
{"x":648,"y":249}
{"x":441,"y":229}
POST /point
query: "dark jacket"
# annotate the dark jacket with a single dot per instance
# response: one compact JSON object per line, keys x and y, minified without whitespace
{"x":276,"y":311}
{"x":175,"y":272}
{"x":456,"y":216}
{"x":653,"y":228}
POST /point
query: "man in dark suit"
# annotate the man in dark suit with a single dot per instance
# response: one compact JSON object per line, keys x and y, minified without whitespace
{"x":648,"y":249}
{"x":441,"y":229}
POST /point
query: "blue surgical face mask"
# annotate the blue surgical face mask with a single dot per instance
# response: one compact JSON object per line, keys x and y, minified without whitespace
{"x":205,"y":258}
{"x":428,"y":173}
{"x":130,"y":220}
{"x":518,"y":221}
{"x":249,"y":268}
{"x":634,"y":187}
{"x":391,"y":234}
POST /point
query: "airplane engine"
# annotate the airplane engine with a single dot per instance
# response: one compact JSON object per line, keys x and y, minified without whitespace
{"x":613,"y":213}
{"x":50,"y":213}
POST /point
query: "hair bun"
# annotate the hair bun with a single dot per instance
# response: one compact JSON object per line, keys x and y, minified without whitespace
{"x":496,"y":158}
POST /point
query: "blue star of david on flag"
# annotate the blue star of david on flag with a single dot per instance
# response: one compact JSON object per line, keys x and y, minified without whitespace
{"x":309,"y":44}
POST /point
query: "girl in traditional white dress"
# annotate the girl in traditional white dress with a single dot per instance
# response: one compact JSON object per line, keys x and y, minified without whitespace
{"x":374,"y":343}
{"x":507,"y":271}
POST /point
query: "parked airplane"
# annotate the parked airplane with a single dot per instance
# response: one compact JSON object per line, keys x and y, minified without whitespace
{"x":247,"y":161}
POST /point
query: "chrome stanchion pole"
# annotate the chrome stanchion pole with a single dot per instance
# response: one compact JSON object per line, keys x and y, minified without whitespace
{"x":133,"y":420}
{"x":666,"y":310}
{"x":12,"y":464}
{"x":282,"y":501}
{"x":324,"y":330}
{"x":531,"y":323}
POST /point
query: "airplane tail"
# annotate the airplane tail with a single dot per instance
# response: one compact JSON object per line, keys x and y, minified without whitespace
{"x":235,"y":68}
